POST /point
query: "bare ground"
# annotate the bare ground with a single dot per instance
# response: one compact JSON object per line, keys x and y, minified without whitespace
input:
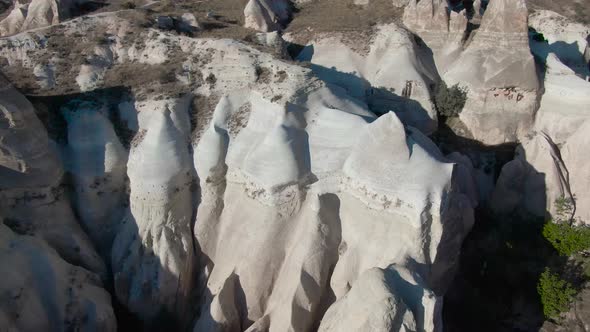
{"x":321,"y":16}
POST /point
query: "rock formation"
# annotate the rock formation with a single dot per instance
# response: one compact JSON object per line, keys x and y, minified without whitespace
{"x":442,"y":30}
{"x":43,"y":292}
{"x":312,"y":207}
{"x":533,"y":180}
{"x":270,"y":165}
{"x":383,"y":300}
{"x":564,"y":106}
{"x":32,"y":197}
{"x":266,"y":15}
{"x":233,"y":189}
{"x":567,"y":39}
{"x":548,"y":165}
{"x":51,"y":273}
{"x":36,"y":14}
{"x":384,"y":69}
{"x":13,"y":23}
{"x":499,"y":72}
{"x":155,"y":244}
{"x":96,"y":160}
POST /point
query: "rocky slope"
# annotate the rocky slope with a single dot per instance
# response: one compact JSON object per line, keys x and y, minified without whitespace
{"x":254,"y":153}
{"x":207,"y":180}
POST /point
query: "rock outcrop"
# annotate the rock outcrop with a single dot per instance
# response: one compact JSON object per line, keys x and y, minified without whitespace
{"x":32,"y":198}
{"x":564,"y":105}
{"x":51,"y":273}
{"x":567,"y":39}
{"x":266,"y":15}
{"x":42,"y":292}
{"x":443,"y":31}
{"x":533,"y":180}
{"x":257,"y":177}
{"x":155,"y":244}
{"x":309,"y":197}
{"x":549,"y":165}
{"x":499,"y":72}
{"x":96,"y":160}
{"x":13,"y":23}
{"x":36,"y":14}
{"x":385,"y":69}
{"x":384,"y":300}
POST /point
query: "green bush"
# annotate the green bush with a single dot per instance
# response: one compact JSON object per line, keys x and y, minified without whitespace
{"x":556,"y":294}
{"x":566,"y":239}
{"x":449,"y":102}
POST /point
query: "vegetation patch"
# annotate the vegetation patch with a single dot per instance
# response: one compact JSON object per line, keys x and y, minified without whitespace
{"x":566,"y":239}
{"x":449,"y":101}
{"x":556,"y":294}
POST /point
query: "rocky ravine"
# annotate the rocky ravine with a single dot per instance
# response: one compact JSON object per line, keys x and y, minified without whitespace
{"x":215,"y":184}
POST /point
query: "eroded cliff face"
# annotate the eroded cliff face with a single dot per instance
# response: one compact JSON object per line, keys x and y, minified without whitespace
{"x":382,"y":67}
{"x":229,"y":188}
{"x":499,"y":72}
{"x":253,"y":197}
{"x":550,"y":165}
{"x":52,"y":272}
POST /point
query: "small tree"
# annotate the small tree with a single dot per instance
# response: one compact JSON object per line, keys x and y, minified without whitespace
{"x":449,"y":102}
{"x":556,"y":294}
